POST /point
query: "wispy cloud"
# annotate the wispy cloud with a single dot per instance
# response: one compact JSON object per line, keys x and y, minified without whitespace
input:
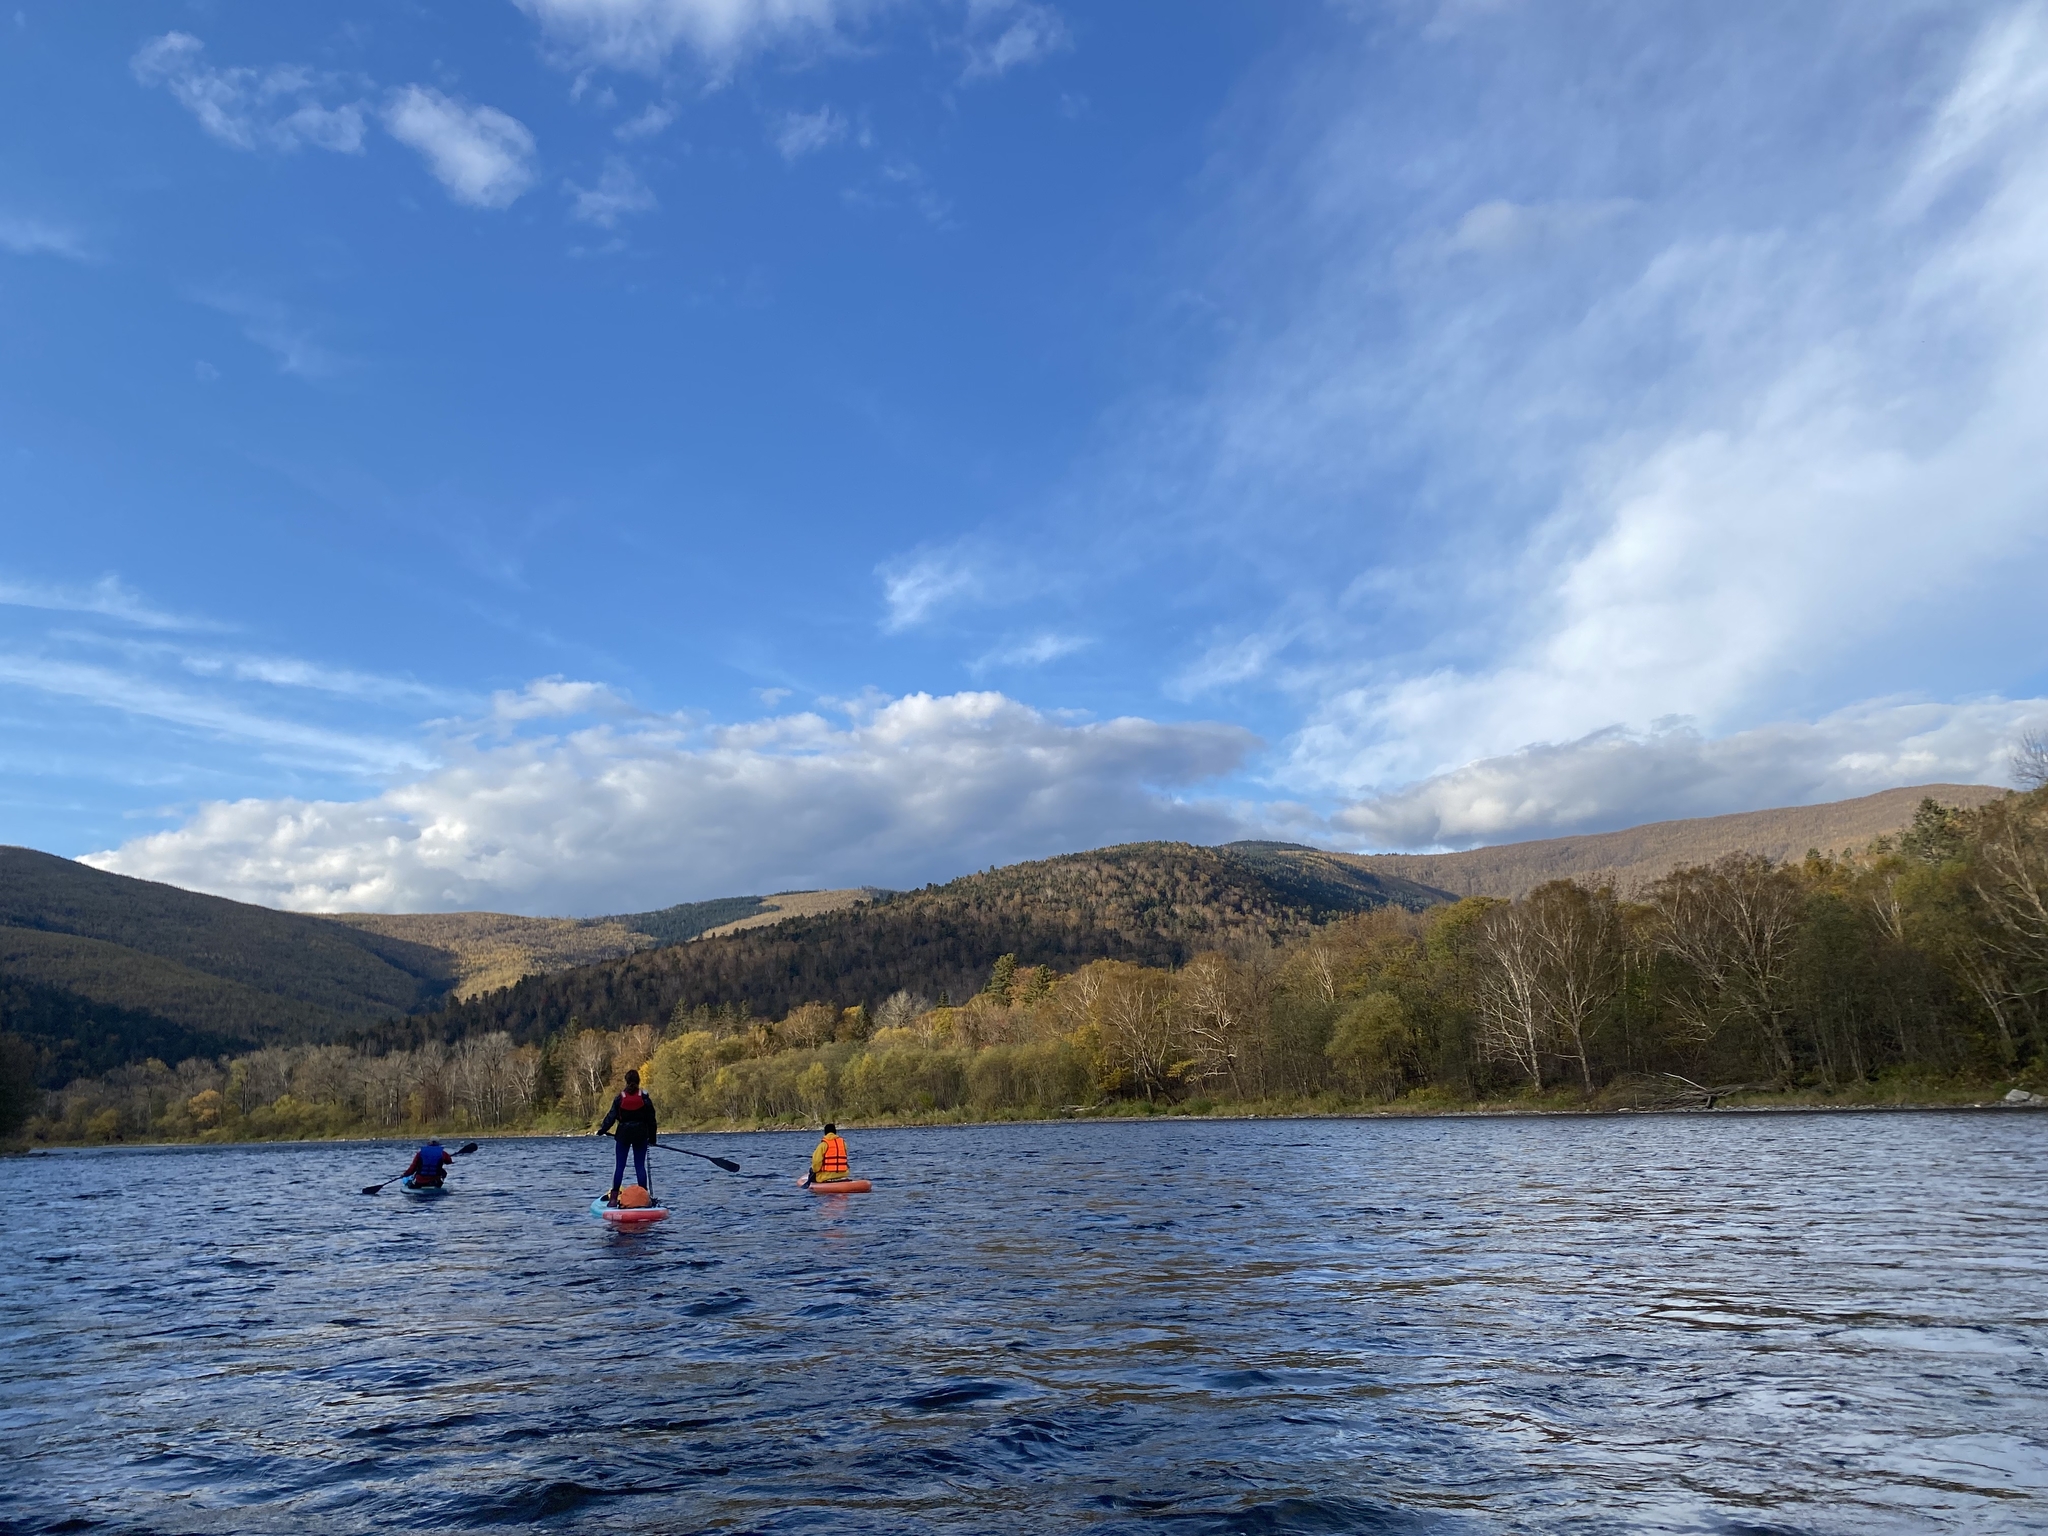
{"x":1499,"y":227}
{"x":21,"y":235}
{"x":805,"y":133}
{"x":483,"y":157}
{"x":645,"y":124}
{"x":109,"y":597}
{"x":918,"y":586}
{"x":642,"y":35}
{"x":277,"y":107}
{"x":1003,"y":35}
{"x":1031,"y":651}
{"x":618,"y":192}
{"x":148,"y":698}
{"x":279,"y":330}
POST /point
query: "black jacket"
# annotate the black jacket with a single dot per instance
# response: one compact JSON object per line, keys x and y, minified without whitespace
{"x":635,"y":1125}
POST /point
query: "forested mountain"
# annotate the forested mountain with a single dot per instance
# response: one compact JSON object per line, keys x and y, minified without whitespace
{"x":1153,"y":903}
{"x":1630,"y":859}
{"x":97,"y":969}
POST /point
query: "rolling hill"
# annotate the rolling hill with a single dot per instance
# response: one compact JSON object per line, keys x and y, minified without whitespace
{"x":100,"y":969}
{"x":1633,"y":858}
{"x":1156,"y":903}
{"x":97,"y":969}
{"x":489,"y":950}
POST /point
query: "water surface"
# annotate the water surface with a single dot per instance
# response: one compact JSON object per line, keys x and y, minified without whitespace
{"x":1736,"y":1324}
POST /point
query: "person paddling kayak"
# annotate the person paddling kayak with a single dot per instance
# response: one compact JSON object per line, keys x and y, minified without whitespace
{"x":633,"y":1113}
{"x":829,"y":1163}
{"x":429,"y":1166}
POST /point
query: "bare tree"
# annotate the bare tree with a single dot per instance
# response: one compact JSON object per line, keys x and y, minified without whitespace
{"x":1578,"y":936}
{"x":900,"y":1010}
{"x":1734,"y":922}
{"x":1513,"y":1015}
{"x":1223,"y":1005}
{"x":588,"y":1060}
{"x":2030,"y":759}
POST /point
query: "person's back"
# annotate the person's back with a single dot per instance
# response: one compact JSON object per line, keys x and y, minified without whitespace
{"x":829,"y":1160}
{"x":632,"y":1112}
{"x":429,"y":1165}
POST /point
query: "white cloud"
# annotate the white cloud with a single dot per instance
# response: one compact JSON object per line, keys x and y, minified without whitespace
{"x":640,"y":35}
{"x":804,"y":133}
{"x":618,"y":193}
{"x":647,"y":123}
{"x":481,"y":155}
{"x":555,"y":698}
{"x":1757,"y":444}
{"x":615,"y":818}
{"x":1784,"y":525}
{"x":917,"y":587}
{"x":277,"y":107}
{"x":1003,"y":35}
{"x":1617,"y":778}
{"x":24,"y":236}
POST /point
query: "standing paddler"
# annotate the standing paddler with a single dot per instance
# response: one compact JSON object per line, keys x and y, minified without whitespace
{"x":633,"y":1113}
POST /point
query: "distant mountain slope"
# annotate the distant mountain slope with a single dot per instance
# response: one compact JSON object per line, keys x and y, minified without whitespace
{"x":173,"y":964}
{"x":784,"y":905}
{"x":1157,"y":903}
{"x":484,"y":951}
{"x":488,"y":950}
{"x":1633,"y":858}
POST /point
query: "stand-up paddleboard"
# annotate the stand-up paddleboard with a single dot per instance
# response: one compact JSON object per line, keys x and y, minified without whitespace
{"x":839,"y":1187}
{"x":422,"y":1191}
{"x":628,"y":1215}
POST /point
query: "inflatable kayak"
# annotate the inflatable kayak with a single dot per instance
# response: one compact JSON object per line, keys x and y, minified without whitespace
{"x":422,"y":1191}
{"x":840,"y":1187}
{"x":628,"y":1215}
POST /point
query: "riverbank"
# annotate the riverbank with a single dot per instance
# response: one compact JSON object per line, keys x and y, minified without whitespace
{"x":1898,"y":1093}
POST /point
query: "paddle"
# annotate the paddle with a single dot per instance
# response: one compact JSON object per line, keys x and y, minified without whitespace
{"x":461,"y":1151}
{"x":724,"y":1162}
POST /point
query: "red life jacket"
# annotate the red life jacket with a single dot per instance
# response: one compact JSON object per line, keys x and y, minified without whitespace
{"x":630,"y":1102}
{"x":834,"y":1165}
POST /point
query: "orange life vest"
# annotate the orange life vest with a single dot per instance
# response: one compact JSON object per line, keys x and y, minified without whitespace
{"x":835,"y":1165}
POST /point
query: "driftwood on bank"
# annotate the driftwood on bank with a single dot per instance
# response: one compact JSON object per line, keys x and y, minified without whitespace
{"x":1692,"y":1095}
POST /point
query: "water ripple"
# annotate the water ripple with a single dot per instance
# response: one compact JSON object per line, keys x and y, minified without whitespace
{"x":1785,"y":1326}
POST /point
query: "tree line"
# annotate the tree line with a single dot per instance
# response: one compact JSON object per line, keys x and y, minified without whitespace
{"x":1921,"y":961}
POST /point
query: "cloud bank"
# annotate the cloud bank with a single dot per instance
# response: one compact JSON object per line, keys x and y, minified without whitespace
{"x":625,"y":816}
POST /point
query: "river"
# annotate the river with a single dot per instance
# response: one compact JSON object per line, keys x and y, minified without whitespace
{"x":1718,"y":1324}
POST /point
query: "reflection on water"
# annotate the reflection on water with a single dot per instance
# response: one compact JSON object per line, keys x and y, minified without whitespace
{"x":1826,"y":1323}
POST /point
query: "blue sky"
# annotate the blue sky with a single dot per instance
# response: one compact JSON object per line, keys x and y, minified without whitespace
{"x":577,"y":455}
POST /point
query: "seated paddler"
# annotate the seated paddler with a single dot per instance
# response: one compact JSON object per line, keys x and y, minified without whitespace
{"x":829,"y":1162}
{"x":429,"y":1166}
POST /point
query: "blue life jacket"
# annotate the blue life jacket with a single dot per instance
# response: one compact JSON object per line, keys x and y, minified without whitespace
{"x":433,"y":1160}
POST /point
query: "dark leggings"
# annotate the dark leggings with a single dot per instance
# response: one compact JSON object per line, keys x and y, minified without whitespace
{"x":639,"y":1163}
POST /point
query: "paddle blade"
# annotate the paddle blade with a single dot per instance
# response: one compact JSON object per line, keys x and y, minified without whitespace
{"x":371,"y":1189}
{"x":727,"y":1164}
{"x":465,"y":1149}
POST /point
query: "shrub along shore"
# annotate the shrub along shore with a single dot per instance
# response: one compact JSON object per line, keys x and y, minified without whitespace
{"x":1915,"y":972}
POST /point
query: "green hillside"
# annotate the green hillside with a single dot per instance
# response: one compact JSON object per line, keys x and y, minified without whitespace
{"x":141,"y":961}
{"x":1154,"y":903}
